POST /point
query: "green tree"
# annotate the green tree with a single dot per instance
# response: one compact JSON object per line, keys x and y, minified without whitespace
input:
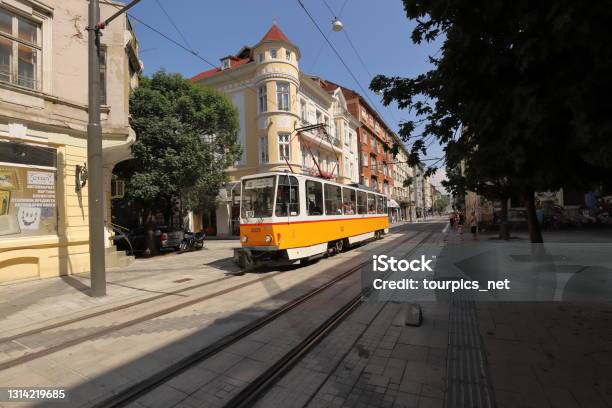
{"x":186,"y":139}
{"x":441,"y":204}
{"x":524,"y":81}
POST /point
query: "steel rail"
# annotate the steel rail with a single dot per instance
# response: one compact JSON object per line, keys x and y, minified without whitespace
{"x":252,"y":392}
{"x":67,"y":322}
{"x":130,"y":394}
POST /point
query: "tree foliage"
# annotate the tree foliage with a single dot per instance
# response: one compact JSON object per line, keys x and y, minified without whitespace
{"x":516,"y":94}
{"x":186,"y":138}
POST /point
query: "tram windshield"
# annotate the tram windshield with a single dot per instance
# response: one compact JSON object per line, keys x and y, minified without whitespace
{"x":257,"y":197}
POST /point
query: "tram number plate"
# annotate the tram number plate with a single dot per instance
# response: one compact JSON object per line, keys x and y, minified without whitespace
{"x":255,"y":229}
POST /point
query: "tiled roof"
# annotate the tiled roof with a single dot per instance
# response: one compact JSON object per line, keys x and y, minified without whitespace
{"x":275,"y":34}
{"x":206,"y":74}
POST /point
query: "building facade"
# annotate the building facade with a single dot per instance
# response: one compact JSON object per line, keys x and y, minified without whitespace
{"x":274,"y":98}
{"x":403,"y":181}
{"x":43,"y":132}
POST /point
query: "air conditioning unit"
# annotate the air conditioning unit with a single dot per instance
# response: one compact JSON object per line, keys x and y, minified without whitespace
{"x":117,"y":188}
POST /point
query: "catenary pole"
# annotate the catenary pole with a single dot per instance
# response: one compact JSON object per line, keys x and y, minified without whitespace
{"x":96,"y":202}
{"x":95,"y":180}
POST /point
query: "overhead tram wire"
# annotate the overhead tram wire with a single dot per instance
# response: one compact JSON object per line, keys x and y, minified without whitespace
{"x":197,"y":55}
{"x":339,"y":57}
{"x":363,"y":64}
{"x":318,"y":54}
{"x":173,"y":24}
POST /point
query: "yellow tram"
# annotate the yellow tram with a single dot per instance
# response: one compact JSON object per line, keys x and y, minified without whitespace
{"x":287,"y":217}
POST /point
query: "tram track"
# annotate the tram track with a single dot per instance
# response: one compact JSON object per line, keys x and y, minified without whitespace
{"x":139,"y":389}
{"x":30,"y":356}
{"x":251,"y":393}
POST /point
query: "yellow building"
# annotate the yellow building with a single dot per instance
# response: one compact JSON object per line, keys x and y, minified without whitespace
{"x":43,"y":140}
{"x":274,"y":98}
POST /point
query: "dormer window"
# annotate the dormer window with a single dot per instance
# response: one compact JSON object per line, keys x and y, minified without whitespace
{"x":225,"y":63}
{"x":273,"y":53}
{"x":288,"y":55}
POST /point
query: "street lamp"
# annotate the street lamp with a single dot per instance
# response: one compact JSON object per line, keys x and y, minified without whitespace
{"x":97,"y":264}
{"x":337,"y":25}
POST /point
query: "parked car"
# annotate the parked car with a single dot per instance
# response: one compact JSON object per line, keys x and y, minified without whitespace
{"x":166,"y":239}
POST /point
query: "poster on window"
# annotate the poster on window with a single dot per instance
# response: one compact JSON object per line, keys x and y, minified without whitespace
{"x":27,"y":201}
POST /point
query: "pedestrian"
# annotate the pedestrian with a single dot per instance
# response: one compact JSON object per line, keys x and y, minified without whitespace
{"x":473,"y":223}
{"x":460,"y":222}
{"x":451,"y":219}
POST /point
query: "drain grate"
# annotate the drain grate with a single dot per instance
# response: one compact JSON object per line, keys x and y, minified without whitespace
{"x":468,"y":379}
{"x":182,"y":280}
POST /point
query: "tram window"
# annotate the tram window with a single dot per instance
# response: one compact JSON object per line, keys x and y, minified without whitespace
{"x":287,"y":197}
{"x":348,"y":201}
{"x":333,"y":200}
{"x":385,"y":210}
{"x":362,"y":199}
{"x":314,"y":197}
{"x":371,"y":204}
{"x":379,"y":204}
{"x":257,"y":197}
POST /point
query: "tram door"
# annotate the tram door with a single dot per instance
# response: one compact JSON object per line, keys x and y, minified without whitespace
{"x":235,"y":213}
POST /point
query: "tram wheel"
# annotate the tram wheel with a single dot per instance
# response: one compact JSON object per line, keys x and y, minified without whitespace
{"x":339,"y":246}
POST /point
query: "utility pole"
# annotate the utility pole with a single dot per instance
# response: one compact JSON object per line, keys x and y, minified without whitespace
{"x":96,"y":202}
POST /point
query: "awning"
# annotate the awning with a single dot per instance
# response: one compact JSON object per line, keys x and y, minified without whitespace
{"x":391,"y":203}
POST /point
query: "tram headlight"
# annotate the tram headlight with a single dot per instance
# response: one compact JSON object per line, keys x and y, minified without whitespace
{"x":268,"y":238}
{"x":243,"y":239}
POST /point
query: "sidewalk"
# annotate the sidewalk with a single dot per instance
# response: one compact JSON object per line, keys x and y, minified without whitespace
{"x":26,"y":305}
{"x":546,"y":354}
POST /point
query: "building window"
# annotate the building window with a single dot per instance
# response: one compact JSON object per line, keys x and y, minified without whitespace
{"x":288,"y":55}
{"x":304,"y":156}
{"x":284,"y":146}
{"x":347,"y":136}
{"x":303,"y":111}
{"x":103,"y":76}
{"x":318,"y":117}
{"x":273,"y":53}
{"x":263,"y":149}
{"x":364,"y":159}
{"x":260,"y":57}
{"x":263,"y":98}
{"x":282,"y":96}
{"x":19,"y":50}
{"x":27,"y":189}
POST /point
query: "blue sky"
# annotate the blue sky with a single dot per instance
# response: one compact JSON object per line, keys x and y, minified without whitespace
{"x":379,"y":30}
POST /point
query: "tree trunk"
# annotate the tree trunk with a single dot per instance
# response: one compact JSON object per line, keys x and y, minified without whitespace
{"x":535,"y":234}
{"x":150,"y":246}
{"x":504,"y":231}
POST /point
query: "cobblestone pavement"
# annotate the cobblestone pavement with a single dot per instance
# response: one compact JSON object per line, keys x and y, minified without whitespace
{"x":373,"y":359}
{"x":105,"y":364}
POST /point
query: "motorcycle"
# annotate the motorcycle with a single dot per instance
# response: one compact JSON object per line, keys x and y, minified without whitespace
{"x":192,"y":241}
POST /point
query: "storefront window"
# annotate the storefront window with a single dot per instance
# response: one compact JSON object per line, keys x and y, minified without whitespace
{"x":28,"y":176}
